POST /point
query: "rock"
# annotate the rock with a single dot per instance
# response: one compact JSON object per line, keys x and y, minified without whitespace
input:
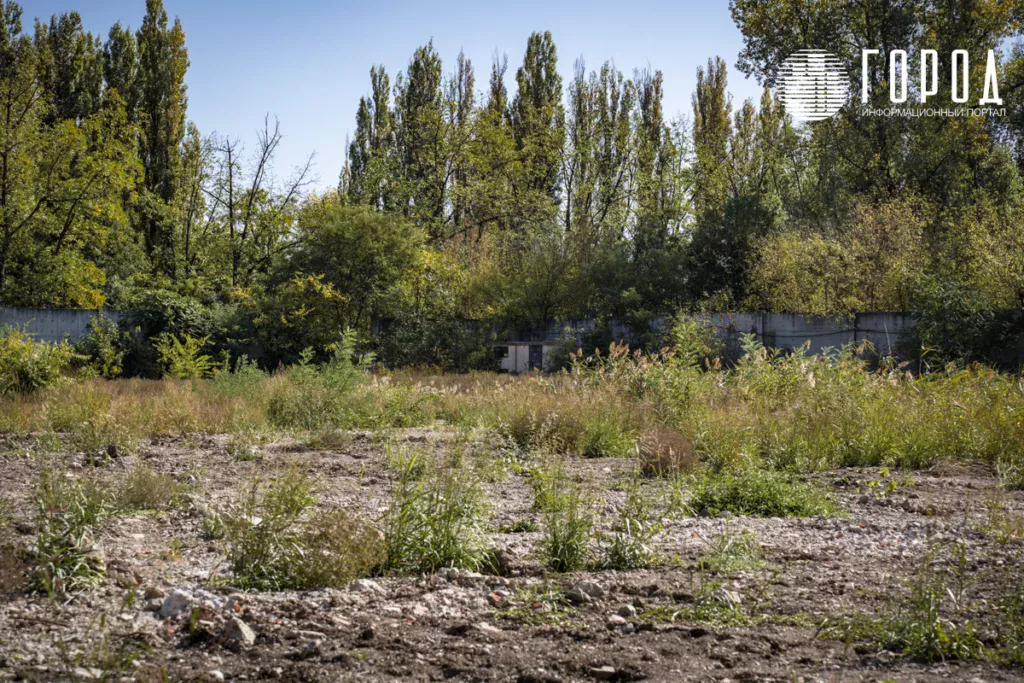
{"x":366,"y":586}
{"x":487,"y":629}
{"x":864,"y":499}
{"x":177,"y":603}
{"x":495,"y":599}
{"x":214,"y":675}
{"x":577,"y":597}
{"x":112,"y":450}
{"x":237,"y":631}
{"x":590,"y":588}
{"x":88,"y":674}
{"x":627,"y":611}
{"x":616,"y":620}
{"x":603,"y":673}
{"x":419,"y":610}
{"x":153,"y":605}
{"x":153,"y":592}
{"x":368,"y":633}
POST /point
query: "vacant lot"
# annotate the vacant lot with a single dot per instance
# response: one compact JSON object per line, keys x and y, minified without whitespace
{"x":636,"y":518}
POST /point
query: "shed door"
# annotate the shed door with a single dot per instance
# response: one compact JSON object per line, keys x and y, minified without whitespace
{"x":536,"y":357}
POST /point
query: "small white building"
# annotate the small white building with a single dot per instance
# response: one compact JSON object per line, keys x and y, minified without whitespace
{"x":523,"y":356}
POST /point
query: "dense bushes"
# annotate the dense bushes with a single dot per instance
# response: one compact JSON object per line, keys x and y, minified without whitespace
{"x":27,"y":365}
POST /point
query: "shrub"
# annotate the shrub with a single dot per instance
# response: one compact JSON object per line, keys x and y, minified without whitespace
{"x":154,"y":313}
{"x":27,"y":365}
{"x":751,"y":490}
{"x":314,"y":398}
{"x":959,"y":322}
{"x":696,"y":341}
{"x":104,"y":347}
{"x":183,"y":358}
{"x":243,"y":380}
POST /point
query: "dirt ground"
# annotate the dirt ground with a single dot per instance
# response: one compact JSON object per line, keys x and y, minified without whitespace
{"x":459,"y":625}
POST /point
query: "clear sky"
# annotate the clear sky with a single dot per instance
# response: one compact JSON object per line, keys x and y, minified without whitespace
{"x":308,"y":61}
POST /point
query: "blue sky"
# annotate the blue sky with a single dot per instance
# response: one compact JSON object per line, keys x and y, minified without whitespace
{"x":308,"y":61}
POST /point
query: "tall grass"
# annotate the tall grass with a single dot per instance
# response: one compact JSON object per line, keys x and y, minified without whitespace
{"x":788,"y":411}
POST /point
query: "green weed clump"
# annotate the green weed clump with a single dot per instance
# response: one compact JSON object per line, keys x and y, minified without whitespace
{"x":64,"y":557}
{"x":311,"y":397}
{"x":146,"y":489}
{"x":437,"y":514}
{"x":567,"y":519}
{"x":274,"y":541}
{"x":931,"y":623}
{"x":728,"y":551}
{"x":632,"y":543}
{"x":759,"y":492}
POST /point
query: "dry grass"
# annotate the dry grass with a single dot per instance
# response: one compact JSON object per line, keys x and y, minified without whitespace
{"x":665,"y":453}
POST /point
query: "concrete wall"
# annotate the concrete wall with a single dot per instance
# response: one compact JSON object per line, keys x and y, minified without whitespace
{"x":53,"y":325}
{"x":790,"y":330}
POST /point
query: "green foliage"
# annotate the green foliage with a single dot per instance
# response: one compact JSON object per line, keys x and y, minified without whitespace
{"x":728,"y":551}
{"x":632,"y":543}
{"x":64,"y":555}
{"x":436,"y":515}
{"x":145,"y":489}
{"x":316,"y":397}
{"x":183,"y":358}
{"x":957,"y":322}
{"x":104,"y":346}
{"x":27,"y":365}
{"x":758,"y":492}
{"x":274,"y":542}
{"x":566,"y":517}
{"x":931,"y":623}
{"x":696,"y":341}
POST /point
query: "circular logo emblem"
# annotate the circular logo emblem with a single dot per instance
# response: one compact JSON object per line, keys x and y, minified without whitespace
{"x":813,"y":85}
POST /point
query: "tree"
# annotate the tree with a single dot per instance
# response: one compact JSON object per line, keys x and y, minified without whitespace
{"x":163,"y":61}
{"x":256,"y":214}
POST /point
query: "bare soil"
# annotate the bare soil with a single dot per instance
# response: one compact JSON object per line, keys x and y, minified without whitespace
{"x":462,"y":626}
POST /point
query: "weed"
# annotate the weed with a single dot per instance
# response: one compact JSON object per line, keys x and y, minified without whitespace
{"x":145,"y":489}
{"x":329,"y":440}
{"x":520,"y":526}
{"x":64,"y":555}
{"x":262,"y":529}
{"x":538,"y":605}
{"x":566,"y":515}
{"x":931,"y":623}
{"x":751,"y":490}
{"x":27,"y":365}
{"x":183,"y":358}
{"x":436,"y":516}
{"x":665,"y":453}
{"x":728,"y":551}
{"x":339,"y":547}
{"x":632,"y":541}
{"x":245,"y":446}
